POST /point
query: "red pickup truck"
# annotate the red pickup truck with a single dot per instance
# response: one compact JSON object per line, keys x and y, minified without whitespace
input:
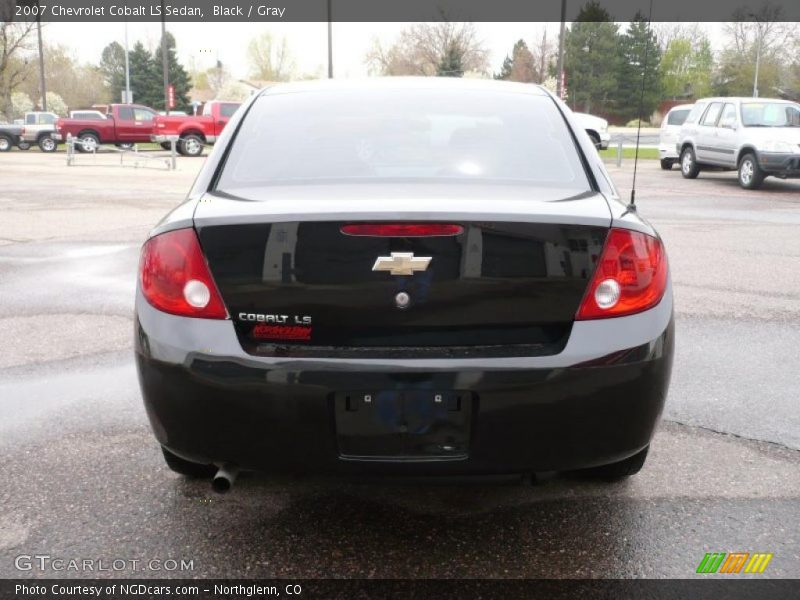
{"x":197,"y":130}
{"x":126,"y":124}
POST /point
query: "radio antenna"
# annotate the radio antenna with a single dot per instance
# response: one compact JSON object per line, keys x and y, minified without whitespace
{"x":632,"y":204}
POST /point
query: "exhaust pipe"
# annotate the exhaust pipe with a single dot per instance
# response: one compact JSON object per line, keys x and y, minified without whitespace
{"x":223,"y":480}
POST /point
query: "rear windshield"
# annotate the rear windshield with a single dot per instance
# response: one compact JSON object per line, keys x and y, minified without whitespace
{"x":770,"y":114}
{"x":390,"y":134}
{"x":677,"y":117}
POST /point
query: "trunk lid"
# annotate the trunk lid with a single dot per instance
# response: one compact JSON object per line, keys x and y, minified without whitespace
{"x":296,"y":285}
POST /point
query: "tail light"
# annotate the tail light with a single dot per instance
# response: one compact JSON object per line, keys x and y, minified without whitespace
{"x":175,"y":277}
{"x":401,"y":229}
{"x":630,"y":277}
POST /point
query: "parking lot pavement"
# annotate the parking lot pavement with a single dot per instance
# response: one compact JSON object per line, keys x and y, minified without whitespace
{"x":84,"y":477}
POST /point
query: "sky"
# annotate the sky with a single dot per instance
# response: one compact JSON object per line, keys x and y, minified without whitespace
{"x":201,"y":44}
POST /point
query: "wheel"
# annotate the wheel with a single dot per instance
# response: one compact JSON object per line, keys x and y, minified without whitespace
{"x":619,"y":470}
{"x":666,"y":164}
{"x":191,"y":145}
{"x":125,"y":146}
{"x":595,"y":139}
{"x":24,"y":146}
{"x":186,"y":467}
{"x":87,"y":142}
{"x":750,"y":174}
{"x":47,"y":144}
{"x":689,"y":168}
{"x":166,"y":145}
{"x":5,"y":143}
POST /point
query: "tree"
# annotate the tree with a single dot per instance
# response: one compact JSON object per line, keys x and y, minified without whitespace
{"x":638,"y":71}
{"x":589,"y":58}
{"x":15,"y":43}
{"x":178,"y":77}
{"x":112,"y":67}
{"x":77,"y":84}
{"x":270,"y":59}
{"x":452,"y":63}
{"x":20,"y":104}
{"x":761,"y":35}
{"x":425,"y":48}
{"x":56,"y":104}
{"x":146,"y":84}
{"x":686,"y":67}
{"x":520,"y":66}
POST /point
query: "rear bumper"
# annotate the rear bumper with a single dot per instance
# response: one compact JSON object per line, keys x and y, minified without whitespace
{"x":667,"y":151}
{"x":596,"y":402}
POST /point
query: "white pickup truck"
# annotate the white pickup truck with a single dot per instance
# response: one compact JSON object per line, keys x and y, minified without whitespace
{"x":40,"y":128}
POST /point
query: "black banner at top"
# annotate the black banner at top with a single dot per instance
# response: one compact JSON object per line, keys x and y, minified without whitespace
{"x":389,"y":10}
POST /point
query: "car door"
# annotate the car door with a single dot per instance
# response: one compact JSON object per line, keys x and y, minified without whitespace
{"x":143,"y":118}
{"x":124,"y":124}
{"x":706,"y":135}
{"x":726,"y":135}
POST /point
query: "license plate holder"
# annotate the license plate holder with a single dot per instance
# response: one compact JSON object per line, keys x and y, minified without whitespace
{"x":403,"y":425}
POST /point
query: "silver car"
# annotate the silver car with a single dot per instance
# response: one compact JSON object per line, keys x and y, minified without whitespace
{"x":756,"y":136}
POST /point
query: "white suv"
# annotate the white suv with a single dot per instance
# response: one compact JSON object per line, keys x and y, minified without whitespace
{"x":668,"y":136}
{"x":756,"y":136}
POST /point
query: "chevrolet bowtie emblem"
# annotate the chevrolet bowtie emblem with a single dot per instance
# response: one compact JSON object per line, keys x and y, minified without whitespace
{"x":401,"y":263}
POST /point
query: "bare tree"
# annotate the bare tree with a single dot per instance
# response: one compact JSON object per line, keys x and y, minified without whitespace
{"x":15,"y":43}
{"x":270,"y":59}
{"x":543,"y":55}
{"x":424,"y":48}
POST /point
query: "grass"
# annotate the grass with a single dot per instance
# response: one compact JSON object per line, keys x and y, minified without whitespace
{"x":644,"y":153}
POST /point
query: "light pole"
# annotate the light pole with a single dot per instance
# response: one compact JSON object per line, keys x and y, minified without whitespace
{"x":330,"y":40}
{"x":560,"y":66}
{"x":42,"y":83}
{"x":164,"y":63}
{"x":758,"y":61}
{"x":128,"y":98}
{"x":758,"y":52}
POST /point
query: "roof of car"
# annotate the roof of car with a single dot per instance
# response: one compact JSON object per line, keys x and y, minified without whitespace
{"x":383,"y":83}
{"x":744,"y":99}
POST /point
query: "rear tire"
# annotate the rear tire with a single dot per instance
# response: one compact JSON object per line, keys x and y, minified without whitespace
{"x":5,"y":143}
{"x":689,"y":168}
{"x":166,"y":146}
{"x":191,"y":145}
{"x":87,"y":142}
{"x":666,"y":164}
{"x":24,"y":146}
{"x":47,"y":144}
{"x":186,"y":467}
{"x":619,"y":470}
{"x":750,"y":174}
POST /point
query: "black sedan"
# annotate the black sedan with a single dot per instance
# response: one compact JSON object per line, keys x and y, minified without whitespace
{"x":405,"y":277}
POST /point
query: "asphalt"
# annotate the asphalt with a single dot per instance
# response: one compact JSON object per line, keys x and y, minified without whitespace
{"x":83,"y":477}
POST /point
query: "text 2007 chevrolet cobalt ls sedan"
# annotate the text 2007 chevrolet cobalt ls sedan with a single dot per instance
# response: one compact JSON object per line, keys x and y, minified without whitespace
{"x":404,"y":276}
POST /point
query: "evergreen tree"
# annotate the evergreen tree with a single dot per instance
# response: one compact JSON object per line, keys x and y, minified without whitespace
{"x":505,"y":70}
{"x":521,"y":66}
{"x":146,"y":88}
{"x":178,"y":77}
{"x":452,"y":63}
{"x":637,"y":44}
{"x":112,"y":67}
{"x":589,"y":51}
